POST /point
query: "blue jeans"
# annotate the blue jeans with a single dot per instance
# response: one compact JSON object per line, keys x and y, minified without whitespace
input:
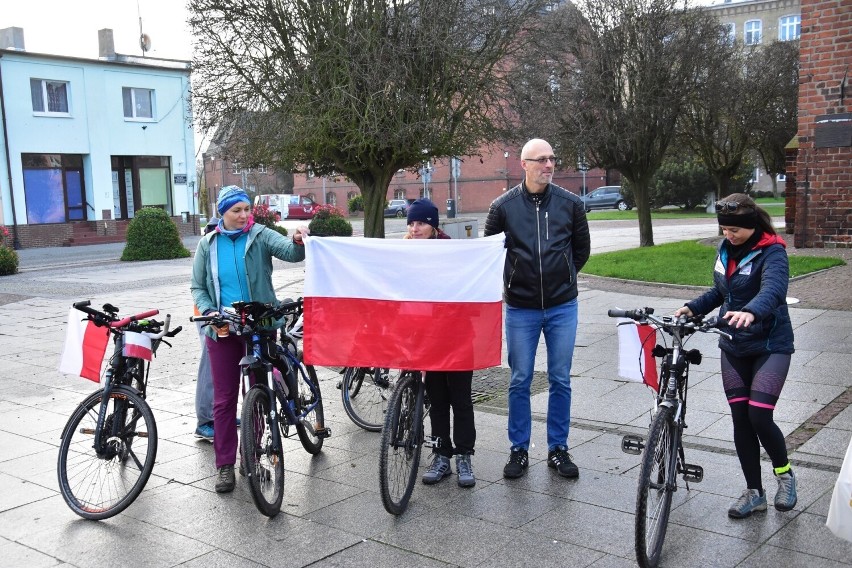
{"x":204,"y":384}
{"x":523,"y":330}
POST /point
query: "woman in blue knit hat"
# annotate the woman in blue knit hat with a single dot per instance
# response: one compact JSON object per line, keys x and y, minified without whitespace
{"x":446,"y":389}
{"x":233,"y":263}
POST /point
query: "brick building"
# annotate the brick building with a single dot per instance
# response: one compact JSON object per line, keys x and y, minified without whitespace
{"x":822,"y":207}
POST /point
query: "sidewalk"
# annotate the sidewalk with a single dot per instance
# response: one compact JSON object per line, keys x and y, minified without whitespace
{"x":332,"y":513}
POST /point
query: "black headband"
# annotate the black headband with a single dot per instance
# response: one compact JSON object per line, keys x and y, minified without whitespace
{"x":748,"y":220}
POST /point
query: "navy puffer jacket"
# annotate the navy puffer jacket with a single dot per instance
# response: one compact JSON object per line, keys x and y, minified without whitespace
{"x":758,"y":284}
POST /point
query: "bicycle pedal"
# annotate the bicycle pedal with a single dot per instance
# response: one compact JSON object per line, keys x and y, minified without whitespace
{"x":632,"y":444}
{"x":432,"y":442}
{"x":321,"y":431}
{"x":693,"y":472}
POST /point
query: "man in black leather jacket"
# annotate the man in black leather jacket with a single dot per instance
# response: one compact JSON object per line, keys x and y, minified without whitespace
{"x":547,"y":237}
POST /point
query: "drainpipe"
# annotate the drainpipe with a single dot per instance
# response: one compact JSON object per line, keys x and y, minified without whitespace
{"x":15,"y":242}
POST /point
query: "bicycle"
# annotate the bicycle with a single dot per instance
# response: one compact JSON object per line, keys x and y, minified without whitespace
{"x":365,"y":392}
{"x":403,"y":441}
{"x":273,"y":377}
{"x":109,"y":444}
{"x":664,"y":458}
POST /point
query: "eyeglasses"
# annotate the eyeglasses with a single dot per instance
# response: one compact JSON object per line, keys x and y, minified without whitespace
{"x":542,"y":161}
{"x":722,"y":206}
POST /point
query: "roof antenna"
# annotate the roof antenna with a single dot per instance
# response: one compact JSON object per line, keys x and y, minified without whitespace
{"x":144,"y":39}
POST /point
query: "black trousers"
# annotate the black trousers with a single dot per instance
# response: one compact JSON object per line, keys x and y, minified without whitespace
{"x":448,"y":389}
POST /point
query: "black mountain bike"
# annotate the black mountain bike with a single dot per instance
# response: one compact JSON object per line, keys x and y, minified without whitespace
{"x":403,"y":441}
{"x":365,"y":392}
{"x":281,"y":393}
{"x":109,"y":444}
{"x":663,"y":460}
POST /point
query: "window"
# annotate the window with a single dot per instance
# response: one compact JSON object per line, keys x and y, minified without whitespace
{"x":731,"y":31}
{"x":49,"y":97}
{"x":261,"y":169}
{"x":138,"y":103}
{"x":53,"y":188}
{"x":751,"y":30}
{"x":236,"y":170}
{"x":331,"y":198}
{"x":789,"y":27}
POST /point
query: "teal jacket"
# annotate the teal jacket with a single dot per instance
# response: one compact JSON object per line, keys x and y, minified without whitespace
{"x":261,"y":246}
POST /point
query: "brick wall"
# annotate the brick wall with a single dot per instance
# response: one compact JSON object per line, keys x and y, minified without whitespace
{"x":59,"y":234}
{"x":823,"y":207}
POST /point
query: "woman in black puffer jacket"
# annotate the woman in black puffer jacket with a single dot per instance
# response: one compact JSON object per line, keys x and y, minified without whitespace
{"x":750,"y":284}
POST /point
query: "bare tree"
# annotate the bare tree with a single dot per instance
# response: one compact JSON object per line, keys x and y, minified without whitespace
{"x":359,"y":88}
{"x":748,"y":102}
{"x":779,"y":122}
{"x":607,"y":82}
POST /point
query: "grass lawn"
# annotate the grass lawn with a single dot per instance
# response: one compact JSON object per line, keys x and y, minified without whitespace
{"x":684,"y":262}
{"x":775,"y":208}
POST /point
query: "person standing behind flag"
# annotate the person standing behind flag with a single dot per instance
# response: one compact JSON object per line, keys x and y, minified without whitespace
{"x":234,"y":263}
{"x":446,"y":389}
{"x":750,"y":284}
{"x":548,"y":242}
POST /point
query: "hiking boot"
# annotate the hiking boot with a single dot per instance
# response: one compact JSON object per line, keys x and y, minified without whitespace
{"x":439,"y":469}
{"x":205,"y":432}
{"x":750,"y":501}
{"x":517,"y":465}
{"x":560,"y":460}
{"x":225,"y":482}
{"x":465,"y":471}
{"x":786,"y":498}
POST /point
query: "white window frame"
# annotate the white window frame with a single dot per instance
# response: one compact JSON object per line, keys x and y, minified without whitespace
{"x":789,"y":27}
{"x":261,"y":169}
{"x":45,"y":99}
{"x":235,"y":169}
{"x":133,"y":94}
{"x":752,"y":32}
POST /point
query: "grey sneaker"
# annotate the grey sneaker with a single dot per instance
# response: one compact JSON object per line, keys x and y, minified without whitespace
{"x":786,"y":498}
{"x":225,"y":482}
{"x":439,"y":469}
{"x":750,"y":501}
{"x":465,"y":470}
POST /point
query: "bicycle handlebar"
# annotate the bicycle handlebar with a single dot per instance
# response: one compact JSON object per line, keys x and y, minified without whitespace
{"x":260,"y":310}
{"x":669,"y":323}
{"x":109,"y":319}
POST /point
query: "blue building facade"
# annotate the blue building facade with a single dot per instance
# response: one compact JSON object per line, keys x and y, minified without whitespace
{"x":88,"y":142}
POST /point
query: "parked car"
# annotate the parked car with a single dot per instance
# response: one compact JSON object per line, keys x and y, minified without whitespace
{"x":301,"y":207}
{"x":398,"y":208}
{"x":606,"y":197}
{"x":276,"y":202}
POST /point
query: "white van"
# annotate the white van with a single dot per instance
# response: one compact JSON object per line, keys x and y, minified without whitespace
{"x":276,"y":202}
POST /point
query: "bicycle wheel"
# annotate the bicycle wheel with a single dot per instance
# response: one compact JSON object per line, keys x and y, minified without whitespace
{"x":365,"y":392}
{"x":402,"y":442}
{"x":264,"y":466}
{"x":309,"y":423}
{"x":657,"y":482}
{"x":100,"y":485}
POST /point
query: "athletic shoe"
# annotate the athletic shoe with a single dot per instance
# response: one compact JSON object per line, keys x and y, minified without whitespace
{"x":560,"y":460}
{"x":439,"y":469}
{"x":517,"y":465}
{"x":205,"y":432}
{"x":225,"y":482}
{"x":786,"y":498}
{"x":465,"y":471}
{"x":750,"y":501}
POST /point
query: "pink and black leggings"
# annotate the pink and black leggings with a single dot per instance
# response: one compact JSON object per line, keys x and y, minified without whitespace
{"x":752,"y":386}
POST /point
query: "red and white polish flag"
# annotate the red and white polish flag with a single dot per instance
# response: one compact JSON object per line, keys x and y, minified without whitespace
{"x":137,"y":345}
{"x":433,"y":304}
{"x":635,"y":361}
{"x":85,"y":344}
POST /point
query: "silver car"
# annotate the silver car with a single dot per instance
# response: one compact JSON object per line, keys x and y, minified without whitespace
{"x":606,"y":197}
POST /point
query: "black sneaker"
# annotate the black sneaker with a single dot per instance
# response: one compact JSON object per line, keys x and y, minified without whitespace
{"x":560,"y":460}
{"x":517,"y":465}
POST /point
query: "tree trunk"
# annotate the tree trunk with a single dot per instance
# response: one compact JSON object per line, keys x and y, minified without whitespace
{"x":643,"y":208}
{"x":374,"y":190}
{"x":774,"y":185}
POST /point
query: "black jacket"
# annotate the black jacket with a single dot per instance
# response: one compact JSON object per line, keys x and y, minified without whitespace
{"x":548,"y":243}
{"x":758,"y":284}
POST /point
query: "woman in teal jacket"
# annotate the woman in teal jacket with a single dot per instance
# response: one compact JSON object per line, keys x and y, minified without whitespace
{"x":234,"y":263}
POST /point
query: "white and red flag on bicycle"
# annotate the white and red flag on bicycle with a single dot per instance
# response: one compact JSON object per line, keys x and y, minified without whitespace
{"x":432,"y":304}
{"x":85,"y":344}
{"x":137,"y":345}
{"x":635,"y":360}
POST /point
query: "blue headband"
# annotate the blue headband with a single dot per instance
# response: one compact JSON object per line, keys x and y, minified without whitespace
{"x":229,"y":196}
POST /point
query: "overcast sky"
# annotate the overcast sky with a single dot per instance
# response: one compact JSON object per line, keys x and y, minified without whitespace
{"x":68,"y":27}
